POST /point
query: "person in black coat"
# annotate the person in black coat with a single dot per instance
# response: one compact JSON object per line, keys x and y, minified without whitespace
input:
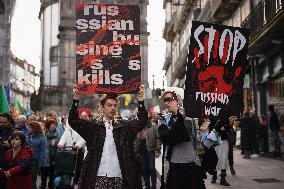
{"x":185,"y":170}
{"x":6,"y":131}
{"x":111,"y":161}
{"x":274,"y":126}
{"x":247,"y":134}
{"x":263,"y":134}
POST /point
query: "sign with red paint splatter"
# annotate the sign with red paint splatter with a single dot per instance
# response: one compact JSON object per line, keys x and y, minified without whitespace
{"x":108,"y":56}
{"x":216,"y":67}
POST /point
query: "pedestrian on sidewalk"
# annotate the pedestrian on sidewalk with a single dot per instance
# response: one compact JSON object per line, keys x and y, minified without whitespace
{"x":255,"y":127}
{"x":222,"y":151}
{"x":263,"y":134}
{"x":274,"y":126}
{"x":184,"y":165}
{"x":148,"y":147}
{"x":232,"y":140}
{"x":247,"y":134}
{"x":111,"y":161}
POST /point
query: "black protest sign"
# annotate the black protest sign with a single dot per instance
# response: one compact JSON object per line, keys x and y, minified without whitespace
{"x":108,"y":56}
{"x":217,"y":62}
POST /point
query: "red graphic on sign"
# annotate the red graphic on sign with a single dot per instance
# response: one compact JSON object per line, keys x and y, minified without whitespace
{"x":108,"y":48}
{"x":215,"y":71}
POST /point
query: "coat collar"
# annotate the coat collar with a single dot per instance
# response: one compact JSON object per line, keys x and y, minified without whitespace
{"x":115,"y":123}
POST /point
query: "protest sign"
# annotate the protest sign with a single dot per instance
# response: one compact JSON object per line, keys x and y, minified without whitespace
{"x":108,"y":58}
{"x":217,"y":62}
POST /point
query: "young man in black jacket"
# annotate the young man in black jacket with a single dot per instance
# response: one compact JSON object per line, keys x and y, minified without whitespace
{"x":184,"y":164}
{"x":111,"y":161}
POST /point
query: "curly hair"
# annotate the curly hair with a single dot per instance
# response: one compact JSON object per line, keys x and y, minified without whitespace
{"x":37,"y":127}
{"x":21,"y":136}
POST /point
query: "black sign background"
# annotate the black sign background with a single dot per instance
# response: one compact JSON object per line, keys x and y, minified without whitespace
{"x":122,"y":75}
{"x":214,"y":78}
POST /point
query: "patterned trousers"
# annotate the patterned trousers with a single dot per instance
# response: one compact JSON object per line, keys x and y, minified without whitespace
{"x":108,"y":183}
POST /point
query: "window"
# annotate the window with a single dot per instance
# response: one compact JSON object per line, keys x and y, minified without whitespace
{"x":53,"y":55}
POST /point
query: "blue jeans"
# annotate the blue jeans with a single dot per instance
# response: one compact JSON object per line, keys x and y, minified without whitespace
{"x":147,"y":160}
{"x":277,"y":140}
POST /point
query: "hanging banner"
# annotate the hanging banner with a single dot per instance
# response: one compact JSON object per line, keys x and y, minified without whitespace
{"x":108,"y":58}
{"x":217,"y":62}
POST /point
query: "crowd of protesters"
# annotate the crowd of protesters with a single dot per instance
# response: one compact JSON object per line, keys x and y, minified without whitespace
{"x":29,"y":145}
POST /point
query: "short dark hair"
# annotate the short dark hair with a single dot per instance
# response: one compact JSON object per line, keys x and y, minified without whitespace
{"x":21,"y":136}
{"x":7,"y":115}
{"x":108,"y":96}
{"x":271,"y":108}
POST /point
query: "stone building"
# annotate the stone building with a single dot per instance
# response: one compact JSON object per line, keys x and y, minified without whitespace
{"x":22,"y":82}
{"x":264,"y":19}
{"x":58,"y":51}
{"x":6,"y":13}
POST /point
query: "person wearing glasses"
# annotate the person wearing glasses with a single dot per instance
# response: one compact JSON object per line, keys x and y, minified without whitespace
{"x":184,"y":165}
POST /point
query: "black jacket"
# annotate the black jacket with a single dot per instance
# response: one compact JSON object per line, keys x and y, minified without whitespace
{"x":124,"y":133}
{"x":175,"y":132}
{"x":274,"y":122}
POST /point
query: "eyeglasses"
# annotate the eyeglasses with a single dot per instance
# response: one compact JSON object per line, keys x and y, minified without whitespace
{"x":168,"y":99}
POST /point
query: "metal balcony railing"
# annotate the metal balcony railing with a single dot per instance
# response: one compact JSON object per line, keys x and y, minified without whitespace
{"x":180,"y":64}
{"x":262,"y":14}
{"x":205,"y":12}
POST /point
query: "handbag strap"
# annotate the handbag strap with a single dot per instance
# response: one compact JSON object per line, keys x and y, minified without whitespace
{"x":71,"y":135}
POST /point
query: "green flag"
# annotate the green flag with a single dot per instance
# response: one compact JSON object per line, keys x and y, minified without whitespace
{"x":4,"y":106}
{"x":19,"y":108}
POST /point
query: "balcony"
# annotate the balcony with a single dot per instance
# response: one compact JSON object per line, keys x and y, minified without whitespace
{"x":181,"y":18}
{"x":205,"y":12}
{"x":218,"y":10}
{"x":181,"y":62}
{"x":168,"y":32}
{"x":167,"y":62}
{"x":223,"y":9}
{"x":261,"y":15}
{"x":265,"y":24}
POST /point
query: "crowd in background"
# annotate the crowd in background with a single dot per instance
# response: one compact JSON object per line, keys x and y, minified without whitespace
{"x":41,"y":135}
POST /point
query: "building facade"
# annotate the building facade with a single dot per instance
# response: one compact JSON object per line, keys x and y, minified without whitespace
{"x":6,"y":13}
{"x":58,"y":51}
{"x":22,"y":82}
{"x":263,"y":18}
